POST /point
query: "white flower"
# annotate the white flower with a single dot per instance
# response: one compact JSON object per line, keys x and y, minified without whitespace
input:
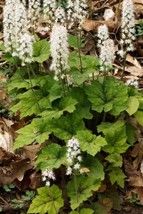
{"x":132,"y":82}
{"x":73,"y":155}
{"x":60,"y":16}
{"x":49,"y":8}
{"x":47,"y":175}
{"x":77,"y":166}
{"x":108,"y":14}
{"x":25,"y":49}
{"x":59,"y":49}
{"x":17,"y":40}
{"x":128,"y":25}
{"x":48,"y":183}
{"x":76,"y":12}
{"x":106,"y":55}
{"x":69,"y":170}
{"x":33,"y":13}
{"x":102,"y":35}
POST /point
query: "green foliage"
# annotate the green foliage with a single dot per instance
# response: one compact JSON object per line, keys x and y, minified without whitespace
{"x":41,"y":51}
{"x":82,"y":186}
{"x":8,"y":188}
{"x":115,"y":135}
{"x":118,"y":176}
{"x":83,"y":190}
{"x":108,"y":95}
{"x":49,"y":200}
{"x":52,"y":155}
{"x":90,"y":143}
{"x":94,"y":110}
{"x":133,"y":104}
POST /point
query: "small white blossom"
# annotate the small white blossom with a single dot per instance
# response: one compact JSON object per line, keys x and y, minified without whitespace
{"x":69,"y":170}
{"x":47,"y":175}
{"x":76,"y":166}
{"x":132,"y":82}
{"x":108,"y":14}
{"x":59,"y":49}
{"x":48,"y":183}
{"x":128,"y":25}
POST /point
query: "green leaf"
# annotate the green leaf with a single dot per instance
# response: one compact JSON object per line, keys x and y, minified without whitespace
{"x":95,"y":167}
{"x":41,"y":51}
{"x":115,"y":159}
{"x":99,"y":208}
{"x":133,"y":104}
{"x":67,"y":126}
{"x":39,"y":131}
{"x":84,"y":187}
{"x":139,"y":116}
{"x":49,"y":200}
{"x":118,"y":176}
{"x":18,"y":82}
{"x":51,"y":156}
{"x":2,"y":47}
{"x":82,"y":108}
{"x":108,"y":95}
{"x":68,"y":104}
{"x":130,"y":131}
{"x":90,"y":143}
{"x":115,"y":135}
{"x":83,"y":211}
{"x":73,"y":41}
{"x":31,"y":102}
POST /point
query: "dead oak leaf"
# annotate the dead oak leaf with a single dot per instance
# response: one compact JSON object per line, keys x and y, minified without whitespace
{"x":15,"y":170}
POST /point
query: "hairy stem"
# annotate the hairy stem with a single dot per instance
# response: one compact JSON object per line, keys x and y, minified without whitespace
{"x":79,"y":49}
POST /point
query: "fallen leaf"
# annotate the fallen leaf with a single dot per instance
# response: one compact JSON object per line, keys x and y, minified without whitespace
{"x":133,"y":61}
{"x":134,"y":70}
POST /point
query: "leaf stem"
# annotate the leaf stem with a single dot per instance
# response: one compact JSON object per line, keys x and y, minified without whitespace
{"x":124,"y":65}
{"x":33,"y":90}
{"x":79,"y":49}
{"x":76,"y":189}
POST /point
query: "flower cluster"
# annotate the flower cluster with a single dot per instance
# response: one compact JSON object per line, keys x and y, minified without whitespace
{"x":106,"y":46}
{"x":25,"y":49}
{"x":73,"y":155}
{"x":15,"y":28}
{"x":132,"y":82}
{"x":8,"y":25}
{"x":106,"y":55}
{"x":60,"y":16}
{"x":102,"y":35}
{"x":48,"y":175}
{"x":76,"y":11}
{"x":49,"y":8}
{"x":33,"y":13}
{"x":128,"y":25}
{"x":59,"y":49}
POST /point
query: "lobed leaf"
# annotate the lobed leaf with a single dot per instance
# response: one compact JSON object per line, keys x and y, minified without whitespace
{"x":108,"y":95}
{"x":90,"y":143}
{"x":49,"y":200}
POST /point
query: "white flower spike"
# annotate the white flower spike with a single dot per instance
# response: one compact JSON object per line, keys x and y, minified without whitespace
{"x":128,"y":25}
